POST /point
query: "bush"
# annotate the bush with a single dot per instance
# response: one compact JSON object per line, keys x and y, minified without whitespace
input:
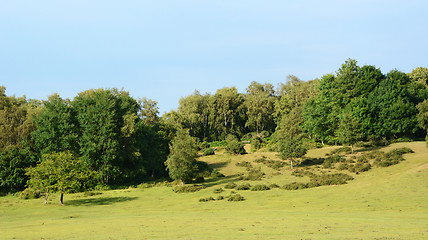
{"x":218,"y":190}
{"x":234,"y":146}
{"x":207,"y":199}
{"x":256,"y":143}
{"x":245,"y":186}
{"x":294,"y":186}
{"x":208,"y":151}
{"x":362,"y":167}
{"x":345,"y":150}
{"x":220,"y":198}
{"x":273,"y":185}
{"x":260,"y":187}
{"x":203,"y":145}
{"x":329,"y":179}
{"x":29,"y":193}
{"x":188,"y":188}
{"x":199,"y":179}
{"x":230,"y":185}
{"x":235,"y":197}
{"x":218,"y":144}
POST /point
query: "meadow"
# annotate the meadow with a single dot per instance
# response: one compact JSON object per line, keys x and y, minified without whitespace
{"x":383,"y":203}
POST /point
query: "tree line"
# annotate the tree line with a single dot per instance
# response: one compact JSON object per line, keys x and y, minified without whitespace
{"x":109,"y":137}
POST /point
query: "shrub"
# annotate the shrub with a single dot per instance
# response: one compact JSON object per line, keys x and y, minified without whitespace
{"x":218,"y":143}
{"x":329,"y":179}
{"x":342,"y":166}
{"x":218,"y":190}
{"x":234,"y":146}
{"x":188,"y":188}
{"x":199,"y":179}
{"x":345,"y":150}
{"x":256,"y":143}
{"x":273,"y":185}
{"x":260,"y":160}
{"x":245,"y":186}
{"x":208,"y":151}
{"x":362,"y":167}
{"x":220,"y":198}
{"x":230,"y":185}
{"x":294,"y":186}
{"x":235,"y":197}
{"x":260,"y":187}
{"x":29,"y":193}
{"x":207,"y":199}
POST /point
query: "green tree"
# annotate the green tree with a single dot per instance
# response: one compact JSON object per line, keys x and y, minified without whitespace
{"x":234,"y":146}
{"x":181,"y":162}
{"x":349,"y":131}
{"x":149,"y":112}
{"x":290,"y":135}
{"x":419,"y":75}
{"x":13,"y":162}
{"x":423,"y":117}
{"x":60,"y":172}
{"x":56,"y":127}
{"x":259,"y":102}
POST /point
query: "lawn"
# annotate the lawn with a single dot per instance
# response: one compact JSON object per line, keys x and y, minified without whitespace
{"x":383,"y":203}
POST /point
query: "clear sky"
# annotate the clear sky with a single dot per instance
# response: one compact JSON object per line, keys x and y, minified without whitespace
{"x":166,"y":49}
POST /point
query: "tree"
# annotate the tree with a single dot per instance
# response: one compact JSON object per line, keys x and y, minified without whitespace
{"x":291,"y":137}
{"x":56,"y":127}
{"x":259,"y":102}
{"x":181,"y":162}
{"x":13,"y":162}
{"x":234,"y":146}
{"x":60,"y":172}
{"x":349,"y":131}
{"x":149,"y":111}
{"x":419,"y":75}
{"x":423,"y":117}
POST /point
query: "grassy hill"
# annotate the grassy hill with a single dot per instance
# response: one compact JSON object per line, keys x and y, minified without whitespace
{"x":383,"y":203}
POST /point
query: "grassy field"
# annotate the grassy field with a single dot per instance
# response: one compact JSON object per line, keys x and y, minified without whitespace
{"x":383,"y":203}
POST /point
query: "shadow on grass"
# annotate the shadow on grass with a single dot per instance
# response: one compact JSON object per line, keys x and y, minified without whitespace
{"x":98,"y":201}
{"x":368,"y":149}
{"x":219,"y":164}
{"x":311,"y":162}
{"x":218,"y":181}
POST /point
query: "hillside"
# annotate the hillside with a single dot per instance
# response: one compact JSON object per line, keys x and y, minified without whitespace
{"x":382,"y":203}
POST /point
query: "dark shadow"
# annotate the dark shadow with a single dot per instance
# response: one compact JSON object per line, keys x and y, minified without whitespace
{"x":368,"y":149}
{"x":218,"y":165}
{"x":221,"y":180}
{"x":311,"y":162}
{"x":98,"y":201}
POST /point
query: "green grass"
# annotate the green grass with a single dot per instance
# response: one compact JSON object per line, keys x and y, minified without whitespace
{"x":383,"y":203}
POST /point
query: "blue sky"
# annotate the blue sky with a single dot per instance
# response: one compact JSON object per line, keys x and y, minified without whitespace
{"x":165,"y":50}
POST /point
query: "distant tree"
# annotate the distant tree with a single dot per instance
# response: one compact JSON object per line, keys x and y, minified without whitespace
{"x":349,"y":131}
{"x":181,"y":162}
{"x":290,"y":135}
{"x":259,"y":102}
{"x":419,"y":75}
{"x":149,"y":112}
{"x":234,"y":146}
{"x":60,"y":172}
{"x":423,"y":117}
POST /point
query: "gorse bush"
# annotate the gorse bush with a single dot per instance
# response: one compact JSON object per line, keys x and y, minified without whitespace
{"x":218,"y":190}
{"x":207,"y":199}
{"x":230,"y":185}
{"x":188,"y":188}
{"x":29,"y":193}
{"x":295,"y":186}
{"x":273,"y":185}
{"x":235,"y":198}
{"x":260,"y":187}
{"x":345,"y":150}
{"x":245,"y":186}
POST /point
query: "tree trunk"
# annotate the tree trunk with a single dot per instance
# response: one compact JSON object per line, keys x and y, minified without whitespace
{"x":352,"y":148}
{"x":182,"y":183}
{"x":46,"y":198}
{"x":153,"y":173}
{"x":61,"y":199}
{"x":291,"y":163}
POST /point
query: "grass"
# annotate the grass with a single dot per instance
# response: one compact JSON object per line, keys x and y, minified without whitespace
{"x":383,"y":203}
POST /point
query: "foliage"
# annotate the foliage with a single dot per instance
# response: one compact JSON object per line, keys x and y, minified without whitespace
{"x":230,"y":185}
{"x":423,"y":117}
{"x":291,"y":137}
{"x":254,"y":174}
{"x":60,"y":172}
{"x":235,"y":198}
{"x":234,"y":146}
{"x":208,"y":151}
{"x":244,"y":186}
{"x":187,"y":188}
{"x":29,"y":193}
{"x":13,"y":162}
{"x":181,"y":163}
{"x":260,"y":187}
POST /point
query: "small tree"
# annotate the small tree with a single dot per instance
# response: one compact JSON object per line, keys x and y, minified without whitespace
{"x":234,"y":146}
{"x":181,"y":162}
{"x":349,"y":130}
{"x":59,"y":172}
{"x":291,"y":137}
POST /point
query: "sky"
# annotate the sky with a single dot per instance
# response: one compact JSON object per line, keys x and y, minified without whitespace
{"x":165,"y":49}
